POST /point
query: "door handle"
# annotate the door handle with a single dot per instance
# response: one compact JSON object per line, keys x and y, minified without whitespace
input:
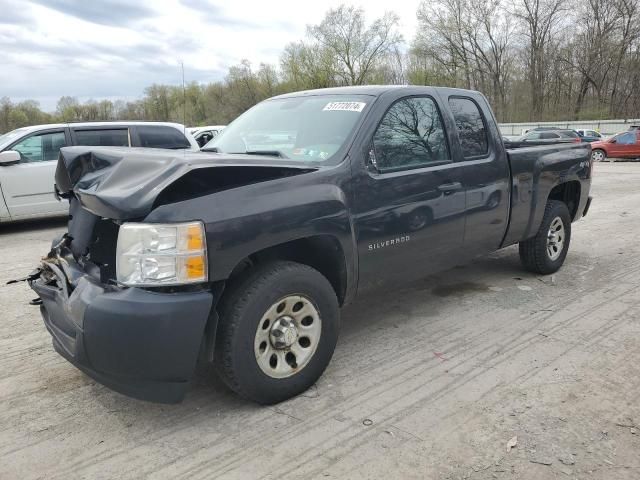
{"x":450,"y":187}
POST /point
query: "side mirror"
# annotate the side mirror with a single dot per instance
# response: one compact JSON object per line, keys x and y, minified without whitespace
{"x":9,"y":157}
{"x":613,"y":140}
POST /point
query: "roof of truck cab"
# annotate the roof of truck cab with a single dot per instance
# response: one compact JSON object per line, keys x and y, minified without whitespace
{"x":372,"y":90}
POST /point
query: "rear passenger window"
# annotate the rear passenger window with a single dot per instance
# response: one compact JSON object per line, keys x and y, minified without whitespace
{"x":549,"y":136}
{"x":103,"y":138}
{"x":410,"y":135}
{"x":471,"y":127}
{"x":158,"y":136}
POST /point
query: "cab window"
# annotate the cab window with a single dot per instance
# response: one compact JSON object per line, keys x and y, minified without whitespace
{"x":471,"y":127}
{"x":40,"y":147}
{"x":410,"y":135}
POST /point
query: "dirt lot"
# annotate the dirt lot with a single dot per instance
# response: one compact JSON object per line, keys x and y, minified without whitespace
{"x":428,"y":382}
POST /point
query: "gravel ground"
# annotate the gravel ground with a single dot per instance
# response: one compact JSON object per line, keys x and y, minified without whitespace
{"x":432,"y":381}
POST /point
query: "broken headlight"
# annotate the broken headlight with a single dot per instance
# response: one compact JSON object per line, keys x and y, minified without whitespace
{"x":154,"y":254}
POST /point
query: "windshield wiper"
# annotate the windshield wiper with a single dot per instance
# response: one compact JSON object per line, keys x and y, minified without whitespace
{"x":210,"y":149}
{"x":269,"y":153}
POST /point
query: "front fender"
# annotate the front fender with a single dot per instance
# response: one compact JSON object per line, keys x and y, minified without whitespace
{"x":252,"y":218}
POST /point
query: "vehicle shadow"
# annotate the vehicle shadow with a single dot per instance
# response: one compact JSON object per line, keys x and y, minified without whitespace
{"x":363,"y":321}
{"x":373,"y":312}
{"x":33,"y":225}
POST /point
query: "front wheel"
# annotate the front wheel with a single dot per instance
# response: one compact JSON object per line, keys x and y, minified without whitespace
{"x":278,"y":330}
{"x":598,"y":155}
{"x":545,"y":253}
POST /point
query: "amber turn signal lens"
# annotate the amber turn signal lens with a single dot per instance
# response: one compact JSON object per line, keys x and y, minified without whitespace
{"x":194,"y":237}
{"x":195,"y":267}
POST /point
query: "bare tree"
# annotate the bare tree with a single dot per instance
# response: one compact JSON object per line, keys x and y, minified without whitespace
{"x":470,"y":39}
{"x":441,"y":35}
{"x":629,"y":33}
{"x":540,"y":20}
{"x":356,"y":47}
{"x":308,"y":66}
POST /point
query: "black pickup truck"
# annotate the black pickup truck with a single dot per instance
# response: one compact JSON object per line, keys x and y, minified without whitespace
{"x":243,"y":254}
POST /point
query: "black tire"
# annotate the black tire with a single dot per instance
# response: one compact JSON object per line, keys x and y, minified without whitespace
{"x":533,"y":252}
{"x":598,"y":155}
{"x":241,"y":311}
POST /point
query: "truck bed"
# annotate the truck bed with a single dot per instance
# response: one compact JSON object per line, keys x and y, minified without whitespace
{"x":534,"y":172}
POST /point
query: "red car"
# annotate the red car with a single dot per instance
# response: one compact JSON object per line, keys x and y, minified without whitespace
{"x":622,"y":145}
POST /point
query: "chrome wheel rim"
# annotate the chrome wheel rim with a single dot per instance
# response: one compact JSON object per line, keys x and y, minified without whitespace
{"x":555,"y":238}
{"x":597,"y":156}
{"x":287,"y":336}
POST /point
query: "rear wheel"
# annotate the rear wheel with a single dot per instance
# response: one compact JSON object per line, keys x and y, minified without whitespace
{"x":598,"y":155}
{"x":545,"y":253}
{"x":278,"y":330}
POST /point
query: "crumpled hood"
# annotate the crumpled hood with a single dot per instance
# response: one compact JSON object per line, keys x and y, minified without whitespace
{"x":123,"y":183}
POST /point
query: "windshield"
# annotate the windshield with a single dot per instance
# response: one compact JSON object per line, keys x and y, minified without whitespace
{"x":305,"y":129}
{"x":14,"y":134}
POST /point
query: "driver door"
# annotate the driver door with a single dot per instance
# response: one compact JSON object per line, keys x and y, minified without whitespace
{"x":409,"y":212}
{"x":28,"y":186}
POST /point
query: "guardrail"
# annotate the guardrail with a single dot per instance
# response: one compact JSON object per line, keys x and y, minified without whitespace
{"x":605,"y":127}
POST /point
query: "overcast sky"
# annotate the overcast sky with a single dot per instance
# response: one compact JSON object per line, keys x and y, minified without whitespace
{"x":115,"y":48}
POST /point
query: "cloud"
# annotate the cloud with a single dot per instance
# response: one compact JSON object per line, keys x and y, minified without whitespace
{"x":216,"y":15}
{"x":116,"y":48}
{"x":14,"y":13}
{"x":102,"y":12}
{"x":14,"y":17}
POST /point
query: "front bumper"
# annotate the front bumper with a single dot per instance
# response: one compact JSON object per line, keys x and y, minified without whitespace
{"x":141,"y":343}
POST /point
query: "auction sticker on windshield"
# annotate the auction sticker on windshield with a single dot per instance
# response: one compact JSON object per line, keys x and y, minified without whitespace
{"x":345,"y":106}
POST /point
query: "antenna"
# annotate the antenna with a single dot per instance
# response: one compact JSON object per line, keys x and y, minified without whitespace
{"x":184,"y":102}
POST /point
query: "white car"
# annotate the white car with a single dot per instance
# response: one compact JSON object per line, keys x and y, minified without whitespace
{"x":203,"y":135}
{"x":28,"y":158}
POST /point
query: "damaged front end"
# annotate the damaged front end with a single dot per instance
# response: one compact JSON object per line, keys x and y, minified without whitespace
{"x":142,"y":340}
{"x":139,"y":342}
